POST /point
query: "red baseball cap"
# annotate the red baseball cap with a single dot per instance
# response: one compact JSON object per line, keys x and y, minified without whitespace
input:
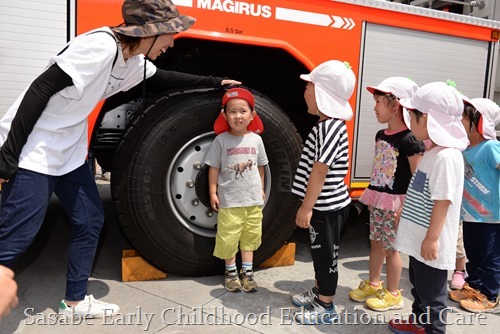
{"x":221,"y":124}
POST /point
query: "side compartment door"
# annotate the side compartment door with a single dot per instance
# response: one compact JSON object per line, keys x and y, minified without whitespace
{"x":30,"y":33}
{"x":423,"y":57}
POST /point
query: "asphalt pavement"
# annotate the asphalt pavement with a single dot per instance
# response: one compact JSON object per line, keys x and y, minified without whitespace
{"x":200,"y":304}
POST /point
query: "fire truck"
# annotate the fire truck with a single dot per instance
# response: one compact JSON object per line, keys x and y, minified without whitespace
{"x":155,"y":154}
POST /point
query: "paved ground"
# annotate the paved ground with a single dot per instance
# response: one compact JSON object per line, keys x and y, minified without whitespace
{"x":199,"y":305}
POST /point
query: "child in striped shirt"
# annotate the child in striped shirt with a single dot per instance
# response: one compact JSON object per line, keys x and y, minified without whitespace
{"x":319,"y":182}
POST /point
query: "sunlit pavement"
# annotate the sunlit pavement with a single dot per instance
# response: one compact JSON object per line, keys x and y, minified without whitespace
{"x":200,"y":304}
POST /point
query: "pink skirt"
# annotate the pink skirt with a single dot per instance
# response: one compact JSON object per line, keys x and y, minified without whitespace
{"x":382,"y":200}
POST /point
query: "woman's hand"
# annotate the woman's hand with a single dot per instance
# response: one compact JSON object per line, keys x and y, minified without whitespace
{"x":8,"y":291}
{"x":230,"y":82}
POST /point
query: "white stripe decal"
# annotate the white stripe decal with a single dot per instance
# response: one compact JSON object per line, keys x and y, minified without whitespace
{"x":300,"y":16}
{"x":185,"y":3}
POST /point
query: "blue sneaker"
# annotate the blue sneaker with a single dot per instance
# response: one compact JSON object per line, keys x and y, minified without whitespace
{"x":315,"y":314}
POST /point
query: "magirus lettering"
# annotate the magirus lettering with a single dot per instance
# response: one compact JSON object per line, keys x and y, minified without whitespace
{"x":236,"y":7}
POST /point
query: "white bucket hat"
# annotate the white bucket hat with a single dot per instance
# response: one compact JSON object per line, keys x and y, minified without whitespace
{"x":401,"y":87}
{"x":334,"y":84}
{"x":444,"y":106}
{"x":490,"y":116}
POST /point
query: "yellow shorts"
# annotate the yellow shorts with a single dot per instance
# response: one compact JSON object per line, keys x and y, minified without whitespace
{"x":238,"y":228}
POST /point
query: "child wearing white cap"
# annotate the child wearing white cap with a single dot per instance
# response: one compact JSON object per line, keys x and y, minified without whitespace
{"x":319,"y":182}
{"x":397,"y":154}
{"x":481,"y":208}
{"x":428,"y":226}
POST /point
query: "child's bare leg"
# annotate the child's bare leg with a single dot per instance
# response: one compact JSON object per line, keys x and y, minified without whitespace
{"x":394,"y":267}
{"x":246,"y":260}
{"x":460,"y":263}
{"x":376,"y":261}
{"x":246,"y":256}
{"x":230,"y":261}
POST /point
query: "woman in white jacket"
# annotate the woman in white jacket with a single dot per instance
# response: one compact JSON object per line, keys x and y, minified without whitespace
{"x":44,"y":136}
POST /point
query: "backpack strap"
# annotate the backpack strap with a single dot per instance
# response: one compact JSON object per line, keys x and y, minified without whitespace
{"x":95,"y":32}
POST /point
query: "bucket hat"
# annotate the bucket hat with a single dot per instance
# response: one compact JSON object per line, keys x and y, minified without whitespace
{"x":444,"y":106}
{"x":490,"y":116}
{"x":145,"y":18}
{"x":401,"y":87}
{"x":221,"y":124}
{"x":333,"y":85}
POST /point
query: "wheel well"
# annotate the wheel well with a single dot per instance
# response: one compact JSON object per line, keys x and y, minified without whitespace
{"x":271,"y":71}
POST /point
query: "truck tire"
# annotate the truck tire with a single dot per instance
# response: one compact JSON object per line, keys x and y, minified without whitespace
{"x":159,"y":185}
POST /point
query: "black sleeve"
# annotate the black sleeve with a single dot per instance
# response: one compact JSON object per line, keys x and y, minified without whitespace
{"x":173,"y":79}
{"x":33,"y":104}
{"x":410,"y":145}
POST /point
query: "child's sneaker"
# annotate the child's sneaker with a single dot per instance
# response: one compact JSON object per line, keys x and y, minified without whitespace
{"x":466,"y":292}
{"x":385,"y":301}
{"x":404,"y":327}
{"x":231,"y":281}
{"x":457,"y":280}
{"x":480,"y":304}
{"x":315,"y":314}
{"x":88,"y":308}
{"x":247,"y":280}
{"x":304,"y":299}
{"x":364,"y":291}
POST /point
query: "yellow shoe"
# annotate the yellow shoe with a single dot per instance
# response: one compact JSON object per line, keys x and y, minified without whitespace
{"x":364,"y":291}
{"x":385,"y":301}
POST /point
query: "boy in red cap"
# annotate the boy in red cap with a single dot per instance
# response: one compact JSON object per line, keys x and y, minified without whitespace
{"x":236,"y":181}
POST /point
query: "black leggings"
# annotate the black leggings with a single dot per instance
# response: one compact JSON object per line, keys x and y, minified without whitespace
{"x":325,"y":230}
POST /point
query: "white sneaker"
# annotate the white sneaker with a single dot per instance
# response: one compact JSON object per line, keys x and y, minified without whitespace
{"x":88,"y":308}
{"x":315,"y":314}
{"x":304,"y":299}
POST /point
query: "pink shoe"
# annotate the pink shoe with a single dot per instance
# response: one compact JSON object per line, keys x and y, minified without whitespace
{"x":457,"y":280}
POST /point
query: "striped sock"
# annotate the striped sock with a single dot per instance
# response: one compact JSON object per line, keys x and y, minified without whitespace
{"x":246,"y":266}
{"x":231,"y":267}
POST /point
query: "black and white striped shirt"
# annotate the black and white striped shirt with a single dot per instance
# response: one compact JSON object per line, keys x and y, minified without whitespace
{"x":327,"y":143}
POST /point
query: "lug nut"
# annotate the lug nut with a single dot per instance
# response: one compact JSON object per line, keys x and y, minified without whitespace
{"x":197,"y":165}
{"x":190,"y":184}
{"x":209,"y":213}
{"x":195,"y":201}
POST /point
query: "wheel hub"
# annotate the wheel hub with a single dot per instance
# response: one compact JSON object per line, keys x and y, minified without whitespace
{"x":187,"y":187}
